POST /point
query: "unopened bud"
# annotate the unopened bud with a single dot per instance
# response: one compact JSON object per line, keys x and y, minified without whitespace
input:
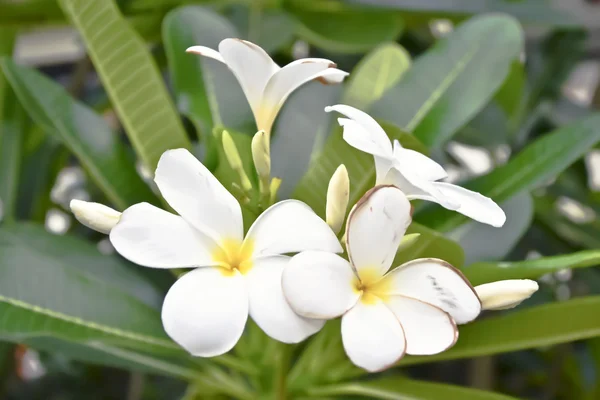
{"x":273,"y":189}
{"x":261,"y":155}
{"x":408,"y":240}
{"x":338,"y":193}
{"x":502,"y":295}
{"x":95,"y":216}
{"x":235,"y":161}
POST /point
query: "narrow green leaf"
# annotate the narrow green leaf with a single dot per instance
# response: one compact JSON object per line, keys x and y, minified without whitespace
{"x":537,"y":163}
{"x":399,"y":388}
{"x":312,"y":188}
{"x":485,"y":243}
{"x":206,"y":91}
{"x":378,"y":71}
{"x":62,"y":287}
{"x":484,"y":272}
{"x":510,"y":95}
{"x":452,"y":81}
{"x":302,"y":126}
{"x":533,"y":11}
{"x":539,"y":326}
{"x":348,"y":30}
{"x":130,"y":77}
{"x":84,"y":132}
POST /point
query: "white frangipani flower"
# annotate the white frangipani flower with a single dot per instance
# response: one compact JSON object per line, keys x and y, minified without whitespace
{"x":411,"y":171}
{"x":264,"y":83}
{"x":206,"y":310}
{"x":412,"y":309}
{"x":502,"y":295}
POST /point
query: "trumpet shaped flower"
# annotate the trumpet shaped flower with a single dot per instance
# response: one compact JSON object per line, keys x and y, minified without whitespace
{"x":412,"y":309}
{"x":416,"y":174}
{"x":206,"y":309}
{"x":264,"y":83}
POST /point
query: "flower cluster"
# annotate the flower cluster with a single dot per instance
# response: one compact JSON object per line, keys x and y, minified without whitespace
{"x":386,"y":313}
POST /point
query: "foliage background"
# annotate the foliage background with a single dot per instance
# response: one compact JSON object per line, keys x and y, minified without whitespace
{"x":502,"y":92}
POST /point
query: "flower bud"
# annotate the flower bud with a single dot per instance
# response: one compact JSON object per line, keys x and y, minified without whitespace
{"x":235,"y":161}
{"x":261,"y":155}
{"x":273,"y":189}
{"x":95,"y":216}
{"x":408,"y":240}
{"x":338,"y":194}
{"x":502,"y":295}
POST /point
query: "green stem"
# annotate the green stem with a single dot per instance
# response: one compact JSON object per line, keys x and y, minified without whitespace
{"x":285,"y":356}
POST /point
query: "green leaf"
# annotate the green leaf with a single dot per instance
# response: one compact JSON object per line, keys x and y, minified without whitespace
{"x":536,"y":164}
{"x":312,"y":188}
{"x":62,"y":287}
{"x":302,"y":125}
{"x":430,"y":244}
{"x":84,"y":132}
{"x":348,"y":30}
{"x":532,"y":11}
{"x":110,"y":356}
{"x":130,"y":77}
{"x":206,"y":91}
{"x":453,"y":80}
{"x":271,"y":29}
{"x":399,"y":388}
{"x":378,"y":71}
{"x":510,"y":95}
{"x":483,"y":242}
{"x":485,"y":272}
{"x":539,"y":326}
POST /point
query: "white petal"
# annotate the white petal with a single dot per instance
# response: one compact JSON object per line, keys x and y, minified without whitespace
{"x":332,"y":76}
{"x":472,"y":204}
{"x":205,"y":51}
{"x":95,"y":216}
{"x":372,"y":336}
{"x":424,"y":166}
{"x":375,"y":228}
{"x":290,"y":226}
{"x":370,"y":127}
{"x":252,"y":67}
{"x":318,"y":284}
{"x":356,"y":136}
{"x":269,"y":308}
{"x":438,"y":283}
{"x":149,"y":236}
{"x":206,"y":310}
{"x":428,"y":329}
{"x":198,"y":196}
{"x":506,"y":294}
{"x":284,"y":82}
{"x":382,"y":167}
{"x":416,"y":187}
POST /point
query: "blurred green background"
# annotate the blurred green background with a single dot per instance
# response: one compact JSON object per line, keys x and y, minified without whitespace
{"x":509,"y":109}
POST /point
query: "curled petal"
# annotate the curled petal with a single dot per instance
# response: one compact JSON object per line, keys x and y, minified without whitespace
{"x":319,"y":284}
{"x":206,"y":310}
{"x":424,"y":166}
{"x":206,"y":52}
{"x":438,"y":283}
{"x":149,"y":236}
{"x":252,"y":67}
{"x":191,"y":189}
{"x":290,"y":226}
{"x":472,"y":204}
{"x":372,"y":336}
{"x":428,"y":329}
{"x":369,"y":127}
{"x":269,"y":308}
{"x":375,"y":228}
{"x":285,"y":81}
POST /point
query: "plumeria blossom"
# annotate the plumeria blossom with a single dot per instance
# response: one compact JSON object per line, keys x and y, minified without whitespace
{"x":264,"y":83}
{"x":411,"y":171}
{"x":205,"y":310}
{"x":412,"y":309}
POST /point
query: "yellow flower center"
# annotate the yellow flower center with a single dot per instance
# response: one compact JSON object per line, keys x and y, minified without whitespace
{"x":372,"y":286}
{"x":233,"y":255}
